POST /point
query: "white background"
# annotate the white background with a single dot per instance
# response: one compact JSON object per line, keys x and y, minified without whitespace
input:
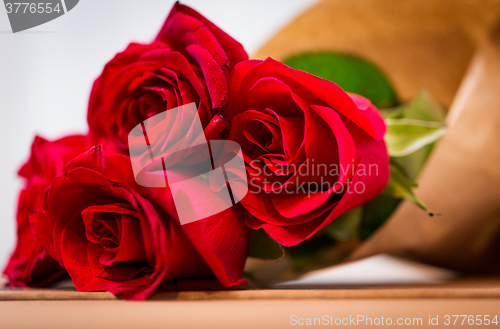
{"x":46,"y":72}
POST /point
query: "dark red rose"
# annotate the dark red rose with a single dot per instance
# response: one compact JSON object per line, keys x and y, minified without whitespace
{"x":188,"y":32}
{"x":110,"y":234}
{"x":30,"y":265}
{"x":188,"y":62}
{"x":313,"y":152}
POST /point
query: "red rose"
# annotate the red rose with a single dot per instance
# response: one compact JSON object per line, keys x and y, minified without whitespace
{"x":30,"y":265}
{"x":188,"y":32}
{"x":187,"y":63}
{"x":107,"y":233}
{"x":313,"y":152}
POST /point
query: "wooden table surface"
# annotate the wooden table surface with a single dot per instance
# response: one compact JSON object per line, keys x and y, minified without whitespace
{"x":64,"y":308}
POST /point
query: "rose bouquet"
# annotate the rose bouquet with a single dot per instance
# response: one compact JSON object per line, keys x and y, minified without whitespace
{"x":318,"y":175}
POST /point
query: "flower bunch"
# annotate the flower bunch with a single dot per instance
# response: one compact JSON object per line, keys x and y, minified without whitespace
{"x":311,"y":151}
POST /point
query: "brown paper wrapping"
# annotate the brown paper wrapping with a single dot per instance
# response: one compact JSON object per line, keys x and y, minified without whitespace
{"x":439,"y":46}
{"x":461,"y":180}
{"x":417,"y":43}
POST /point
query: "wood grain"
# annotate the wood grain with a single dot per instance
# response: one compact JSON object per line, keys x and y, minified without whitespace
{"x":464,"y":288}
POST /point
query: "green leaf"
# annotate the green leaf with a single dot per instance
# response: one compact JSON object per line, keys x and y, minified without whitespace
{"x":414,"y":162}
{"x":263,"y":247}
{"x":401,"y":186}
{"x":346,"y":226}
{"x":423,"y":107}
{"x":405,"y":136}
{"x":352,"y":73}
{"x":376,"y":212}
